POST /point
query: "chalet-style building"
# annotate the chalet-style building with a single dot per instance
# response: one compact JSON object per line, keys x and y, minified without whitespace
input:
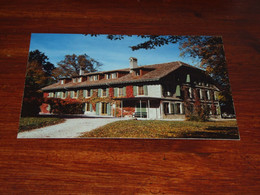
{"x":159,"y":91}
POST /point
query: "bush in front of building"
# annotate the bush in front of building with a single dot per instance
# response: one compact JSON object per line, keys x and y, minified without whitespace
{"x":65,"y":106}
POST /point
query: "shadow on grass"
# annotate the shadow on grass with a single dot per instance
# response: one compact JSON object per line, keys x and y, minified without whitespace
{"x":213,"y":128}
{"x":64,"y":116}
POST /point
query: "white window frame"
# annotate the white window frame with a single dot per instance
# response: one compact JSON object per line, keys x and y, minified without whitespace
{"x":102,"y":92}
{"x":62,"y":82}
{"x":139,"y":86}
{"x":51,"y":94}
{"x":95,"y":77}
{"x":114,"y":75}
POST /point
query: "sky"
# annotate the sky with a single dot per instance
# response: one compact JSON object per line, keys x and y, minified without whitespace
{"x":112,"y":54}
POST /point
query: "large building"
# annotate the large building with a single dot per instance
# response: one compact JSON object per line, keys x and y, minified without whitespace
{"x":159,"y":91}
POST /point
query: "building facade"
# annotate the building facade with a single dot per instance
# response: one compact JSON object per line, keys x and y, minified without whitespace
{"x":159,"y":91}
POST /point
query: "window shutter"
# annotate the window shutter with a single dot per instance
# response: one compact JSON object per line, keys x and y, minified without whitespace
{"x":84,"y":93}
{"x":135,"y":90}
{"x":108,"y":109}
{"x":99,"y":92}
{"x":124,"y":91}
{"x":97,"y":108}
{"x":91,"y":92}
{"x":145,"y":90}
{"x":115,"y":91}
{"x":90,"y":107}
{"x":178,"y":90}
{"x":188,"y":78}
{"x":107,"y":92}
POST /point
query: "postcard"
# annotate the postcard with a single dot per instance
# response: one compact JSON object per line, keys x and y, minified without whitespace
{"x":127,"y":86}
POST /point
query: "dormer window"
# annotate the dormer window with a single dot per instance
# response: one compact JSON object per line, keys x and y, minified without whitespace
{"x":114,"y":75}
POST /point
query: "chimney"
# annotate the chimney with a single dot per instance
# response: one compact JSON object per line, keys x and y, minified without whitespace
{"x":81,"y":71}
{"x":133,"y":63}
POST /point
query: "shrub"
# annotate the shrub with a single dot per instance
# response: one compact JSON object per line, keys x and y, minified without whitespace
{"x":67,"y":106}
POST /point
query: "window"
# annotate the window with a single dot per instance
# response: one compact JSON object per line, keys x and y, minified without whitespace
{"x":75,"y":94}
{"x":114,"y":75}
{"x":140,"y":90}
{"x":94,"y":78}
{"x":177,"y":108}
{"x":62,"y":82}
{"x":137,"y":72}
{"x":172,"y":108}
{"x":166,"y":108}
{"x":104,"y":92}
{"x":103,"y":108}
{"x":80,"y":79}
{"x":63,"y":95}
{"x":74,"y":80}
{"x":88,"y":92}
{"x":120,"y":91}
{"x":51,"y":94}
{"x":108,"y":76}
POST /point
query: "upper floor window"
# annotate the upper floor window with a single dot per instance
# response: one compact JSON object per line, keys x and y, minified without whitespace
{"x":108,"y":76}
{"x":80,"y":79}
{"x":95,"y":77}
{"x":120,"y":91}
{"x":74,"y":80}
{"x":137,"y":72}
{"x":141,"y":90}
{"x":114,"y":75}
{"x":62,"y":82}
{"x":51,"y":94}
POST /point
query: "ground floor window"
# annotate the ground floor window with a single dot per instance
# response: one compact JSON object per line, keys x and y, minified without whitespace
{"x":103,"y":108}
{"x":166,"y":108}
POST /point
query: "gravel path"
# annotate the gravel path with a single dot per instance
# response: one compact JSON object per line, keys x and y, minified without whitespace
{"x":71,"y":128}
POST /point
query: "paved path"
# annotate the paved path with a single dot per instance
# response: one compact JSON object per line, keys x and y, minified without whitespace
{"x":71,"y":128}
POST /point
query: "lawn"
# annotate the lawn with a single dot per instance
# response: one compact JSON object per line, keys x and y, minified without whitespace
{"x":166,"y":129}
{"x":28,"y":123}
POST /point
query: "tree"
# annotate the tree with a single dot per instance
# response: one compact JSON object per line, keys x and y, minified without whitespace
{"x":207,"y":50}
{"x":37,"y":76}
{"x":72,"y":64}
{"x":42,"y":59}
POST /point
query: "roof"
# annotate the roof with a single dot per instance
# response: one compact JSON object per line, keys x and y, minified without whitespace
{"x":159,"y":71}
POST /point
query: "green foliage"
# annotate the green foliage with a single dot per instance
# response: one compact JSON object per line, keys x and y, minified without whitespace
{"x":166,"y":129}
{"x":37,"y":76}
{"x":28,"y":123}
{"x":72,"y":64}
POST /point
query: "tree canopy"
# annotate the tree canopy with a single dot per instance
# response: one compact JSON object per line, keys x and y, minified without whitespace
{"x":72,"y":64}
{"x":38,"y":75}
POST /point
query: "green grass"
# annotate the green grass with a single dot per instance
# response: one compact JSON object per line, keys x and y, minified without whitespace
{"x":166,"y":129}
{"x":29,"y":123}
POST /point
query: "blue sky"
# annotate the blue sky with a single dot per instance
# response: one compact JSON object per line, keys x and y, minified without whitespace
{"x":112,"y":54}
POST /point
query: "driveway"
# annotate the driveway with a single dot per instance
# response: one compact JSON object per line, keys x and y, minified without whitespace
{"x":71,"y":128}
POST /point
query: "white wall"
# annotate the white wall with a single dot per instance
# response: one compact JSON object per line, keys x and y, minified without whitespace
{"x":154,"y":90}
